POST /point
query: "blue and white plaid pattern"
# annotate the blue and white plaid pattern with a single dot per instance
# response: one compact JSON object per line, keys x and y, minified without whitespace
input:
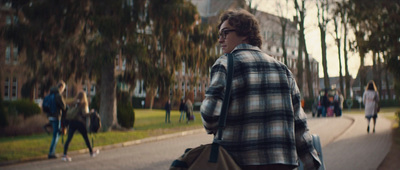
{"x":265,"y":123}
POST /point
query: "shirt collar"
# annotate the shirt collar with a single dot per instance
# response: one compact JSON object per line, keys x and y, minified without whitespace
{"x":245,"y":47}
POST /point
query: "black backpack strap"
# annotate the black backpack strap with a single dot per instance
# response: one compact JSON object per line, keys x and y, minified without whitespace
{"x":224,"y":110}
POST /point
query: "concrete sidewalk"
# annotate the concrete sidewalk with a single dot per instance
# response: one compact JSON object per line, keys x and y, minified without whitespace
{"x":357,"y":149}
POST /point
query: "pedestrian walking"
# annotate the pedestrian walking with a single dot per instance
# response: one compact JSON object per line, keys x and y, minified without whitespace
{"x":325,"y":103}
{"x":78,"y":122}
{"x":182,"y":110}
{"x":266,"y":128}
{"x":168,"y":111}
{"x":189,"y":110}
{"x":370,"y":100}
{"x":55,"y":118}
{"x":338,"y":103}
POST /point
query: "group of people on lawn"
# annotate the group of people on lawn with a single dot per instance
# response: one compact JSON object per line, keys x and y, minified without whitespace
{"x":186,"y":109}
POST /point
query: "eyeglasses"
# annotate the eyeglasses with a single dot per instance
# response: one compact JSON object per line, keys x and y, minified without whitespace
{"x":224,"y":33}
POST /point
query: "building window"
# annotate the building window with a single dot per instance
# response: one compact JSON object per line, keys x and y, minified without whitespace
{"x":15,"y":54}
{"x":183,"y":86}
{"x":200,"y":87}
{"x":8,"y":54}
{"x":8,"y":20}
{"x":7,"y":88}
{"x":293,"y":53}
{"x":183,"y":68}
{"x":269,"y":48}
{"x":277,"y":50}
{"x":14,"y":87}
{"x":84,"y":87}
{"x":93,"y":89}
{"x":117,"y":62}
{"x":124,"y":64}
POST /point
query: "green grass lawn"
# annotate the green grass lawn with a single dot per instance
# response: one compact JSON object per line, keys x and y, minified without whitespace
{"x":148,"y":123}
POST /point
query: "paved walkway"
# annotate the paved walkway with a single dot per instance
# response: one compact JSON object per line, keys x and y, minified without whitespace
{"x":357,"y":149}
{"x":346,"y":145}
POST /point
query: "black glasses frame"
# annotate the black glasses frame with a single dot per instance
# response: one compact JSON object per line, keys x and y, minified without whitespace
{"x":223,"y":33}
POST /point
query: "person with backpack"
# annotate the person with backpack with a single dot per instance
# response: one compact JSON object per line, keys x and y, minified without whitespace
{"x":76,"y":118}
{"x":54,"y":113}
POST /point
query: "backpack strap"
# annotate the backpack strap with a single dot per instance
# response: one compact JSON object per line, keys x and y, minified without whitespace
{"x":222,"y":118}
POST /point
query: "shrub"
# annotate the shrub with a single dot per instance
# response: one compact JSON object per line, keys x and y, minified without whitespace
{"x":389,"y":103}
{"x":3,"y":115}
{"x":125,"y":113}
{"x":355,"y":105}
{"x":95,"y":102}
{"x":23,"y":106}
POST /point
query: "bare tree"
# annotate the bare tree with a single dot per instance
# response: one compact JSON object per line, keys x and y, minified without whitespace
{"x":337,"y":38}
{"x":302,"y":48}
{"x":282,"y":11}
{"x":300,"y":15}
{"x":344,"y":21}
{"x":323,"y":20}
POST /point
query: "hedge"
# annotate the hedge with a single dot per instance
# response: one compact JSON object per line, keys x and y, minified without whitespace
{"x":21,"y":106}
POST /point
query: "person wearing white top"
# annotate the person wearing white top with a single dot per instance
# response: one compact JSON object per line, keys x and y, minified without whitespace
{"x":370,"y":100}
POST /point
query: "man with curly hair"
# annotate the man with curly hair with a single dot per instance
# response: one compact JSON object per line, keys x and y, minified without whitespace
{"x":265,"y":126}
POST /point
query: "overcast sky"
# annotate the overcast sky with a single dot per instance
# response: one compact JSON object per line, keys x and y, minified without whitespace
{"x":313,"y":39}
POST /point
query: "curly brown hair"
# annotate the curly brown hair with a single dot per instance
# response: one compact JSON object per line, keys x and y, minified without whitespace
{"x":245,"y":24}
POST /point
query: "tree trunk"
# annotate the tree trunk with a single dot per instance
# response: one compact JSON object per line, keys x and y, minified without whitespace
{"x":151,"y":93}
{"x":387,"y":80}
{"x":108,"y":101}
{"x":324,"y":61}
{"x":340,"y":69}
{"x":283,"y":25}
{"x":387,"y":85}
{"x":346,"y":65}
{"x":379,"y":83}
{"x":374,"y":70}
{"x":300,"y":57}
{"x":308,"y":72}
{"x":363,"y":72}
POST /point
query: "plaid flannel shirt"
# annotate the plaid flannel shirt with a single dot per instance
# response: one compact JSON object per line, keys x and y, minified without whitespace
{"x":265,"y":123}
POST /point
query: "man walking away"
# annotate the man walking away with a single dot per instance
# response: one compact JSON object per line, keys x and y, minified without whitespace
{"x":168,"y":111}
